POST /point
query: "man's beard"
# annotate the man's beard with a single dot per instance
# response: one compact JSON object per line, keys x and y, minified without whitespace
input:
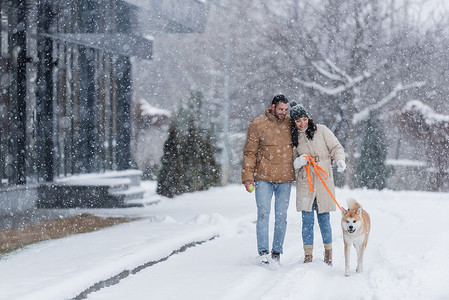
{"x":277,"y":116}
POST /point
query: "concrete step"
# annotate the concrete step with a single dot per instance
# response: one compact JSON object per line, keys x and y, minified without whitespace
{"x":112,"y":184}
{"x":141,"y":202}
{"x":134,"y":192}
{"x":77,"y":195}
{"x":133,"y":176}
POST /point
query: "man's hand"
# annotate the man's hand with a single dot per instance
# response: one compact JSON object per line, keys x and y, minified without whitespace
{"x":249,"y":185}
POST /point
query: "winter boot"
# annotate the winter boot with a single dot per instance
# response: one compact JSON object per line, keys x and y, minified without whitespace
{"x":308,"y":253}
{"x":263,"y":259}
{"x":276,"y":256}
{"x":328,"y":254}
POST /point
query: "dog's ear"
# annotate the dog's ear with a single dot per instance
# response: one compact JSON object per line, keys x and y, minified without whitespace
{"x":359,"y":211}
{"x":343,"y":211}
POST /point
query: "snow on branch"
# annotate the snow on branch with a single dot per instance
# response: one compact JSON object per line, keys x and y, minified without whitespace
{"x":363,"y":115}
{"x":325,"y":90}
{"x":332,"y":91}
{"x":429,"y":116}
{"x":346,"y":82}
{"x":338,"y":70}
{"x":326,"y":73}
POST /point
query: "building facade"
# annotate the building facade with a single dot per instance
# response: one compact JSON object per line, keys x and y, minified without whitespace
{"x":65,"y":81}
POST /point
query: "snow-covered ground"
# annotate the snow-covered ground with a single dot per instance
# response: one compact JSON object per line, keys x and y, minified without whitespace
{"x":407,"y":255}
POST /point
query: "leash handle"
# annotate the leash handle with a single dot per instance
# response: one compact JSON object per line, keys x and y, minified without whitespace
{"x":317,"y":169}
{"x":308,"y":175}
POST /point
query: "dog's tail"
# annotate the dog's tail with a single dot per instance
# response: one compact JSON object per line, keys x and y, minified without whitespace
{"x":353,"y":205}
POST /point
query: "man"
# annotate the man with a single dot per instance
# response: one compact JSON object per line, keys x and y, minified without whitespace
{"x":268,"y":166}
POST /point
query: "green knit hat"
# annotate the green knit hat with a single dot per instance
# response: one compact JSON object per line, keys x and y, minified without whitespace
{"x":297,"y":111}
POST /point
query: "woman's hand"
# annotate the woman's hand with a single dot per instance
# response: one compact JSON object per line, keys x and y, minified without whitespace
{"x":300,"y":161}
{"x":341,"y":165}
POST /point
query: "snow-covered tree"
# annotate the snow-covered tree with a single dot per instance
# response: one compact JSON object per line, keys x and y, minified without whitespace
{"x":346,"y":59}
{"x":170,"y":180}
{"x":188,"y":163}
{"x":371,"y":168}
{"x":150,"y":130}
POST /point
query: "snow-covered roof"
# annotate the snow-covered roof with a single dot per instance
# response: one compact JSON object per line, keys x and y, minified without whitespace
{"x":149,"y":110}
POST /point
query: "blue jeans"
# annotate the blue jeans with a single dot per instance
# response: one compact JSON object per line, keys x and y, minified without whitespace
{"x":264,"y":193}
{"x":308,"y":220}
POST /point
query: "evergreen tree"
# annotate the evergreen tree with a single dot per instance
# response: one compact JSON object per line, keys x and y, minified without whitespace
{"x":169,"y":179}
{"x":210,"y":168}
{"x":371,"y":169}
{"x":193,"y":177}
{"x":188,"y":163}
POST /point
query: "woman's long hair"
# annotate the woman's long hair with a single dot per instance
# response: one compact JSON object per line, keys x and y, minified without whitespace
{"x":310,"y":131}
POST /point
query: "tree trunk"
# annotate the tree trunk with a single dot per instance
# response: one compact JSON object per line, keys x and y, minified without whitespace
{"x":350,"y":141}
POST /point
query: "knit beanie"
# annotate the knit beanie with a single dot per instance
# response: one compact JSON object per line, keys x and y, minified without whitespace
{"x":297,"y":111}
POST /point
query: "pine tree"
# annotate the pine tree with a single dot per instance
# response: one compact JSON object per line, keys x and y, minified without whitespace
{"x":169,"y":181}
{"x":188,"y":163}
{"x":371,"y":169}
{"x":193,"y":177}
{"x":210,"y":168}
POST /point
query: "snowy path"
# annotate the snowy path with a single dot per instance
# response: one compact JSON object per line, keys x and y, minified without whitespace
{"x":397,"y":264}
{"x":406,"y":256}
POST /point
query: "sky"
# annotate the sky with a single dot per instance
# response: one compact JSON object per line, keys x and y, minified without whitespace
{"x":406,"y":257}
{"x":430,"y":10}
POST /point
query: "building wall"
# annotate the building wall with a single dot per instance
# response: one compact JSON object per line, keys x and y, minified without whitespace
{"x":65,"y":105}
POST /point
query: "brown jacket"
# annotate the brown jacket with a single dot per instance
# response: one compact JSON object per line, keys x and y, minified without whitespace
{"x":267,"y":155}
{"x":323,"y":147}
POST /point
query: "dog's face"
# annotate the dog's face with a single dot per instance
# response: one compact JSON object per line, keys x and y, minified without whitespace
{"x":351,"y":221}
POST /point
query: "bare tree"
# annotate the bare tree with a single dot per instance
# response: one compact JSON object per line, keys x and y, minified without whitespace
{"x":345,"y":54}
{"x":353,"y":111}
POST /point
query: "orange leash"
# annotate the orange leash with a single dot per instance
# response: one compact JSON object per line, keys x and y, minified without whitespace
{"x":317,"y":169}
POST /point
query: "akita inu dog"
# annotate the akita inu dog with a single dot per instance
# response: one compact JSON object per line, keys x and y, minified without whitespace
{"x":355,"y":223}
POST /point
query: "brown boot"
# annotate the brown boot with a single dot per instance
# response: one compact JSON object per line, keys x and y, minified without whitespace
{"x":308,"y":253}
{"x":308,"y":258}
{"x":328,"y":254}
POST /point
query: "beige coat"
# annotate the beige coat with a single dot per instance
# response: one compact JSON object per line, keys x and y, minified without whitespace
{"x":323,"y":147}
{"x":267,"y":155}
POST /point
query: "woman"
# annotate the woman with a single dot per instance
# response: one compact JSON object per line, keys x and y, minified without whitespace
{"x":318,"y":142}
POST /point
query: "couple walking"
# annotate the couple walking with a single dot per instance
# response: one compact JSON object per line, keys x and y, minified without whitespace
{"x":276,"y":151}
